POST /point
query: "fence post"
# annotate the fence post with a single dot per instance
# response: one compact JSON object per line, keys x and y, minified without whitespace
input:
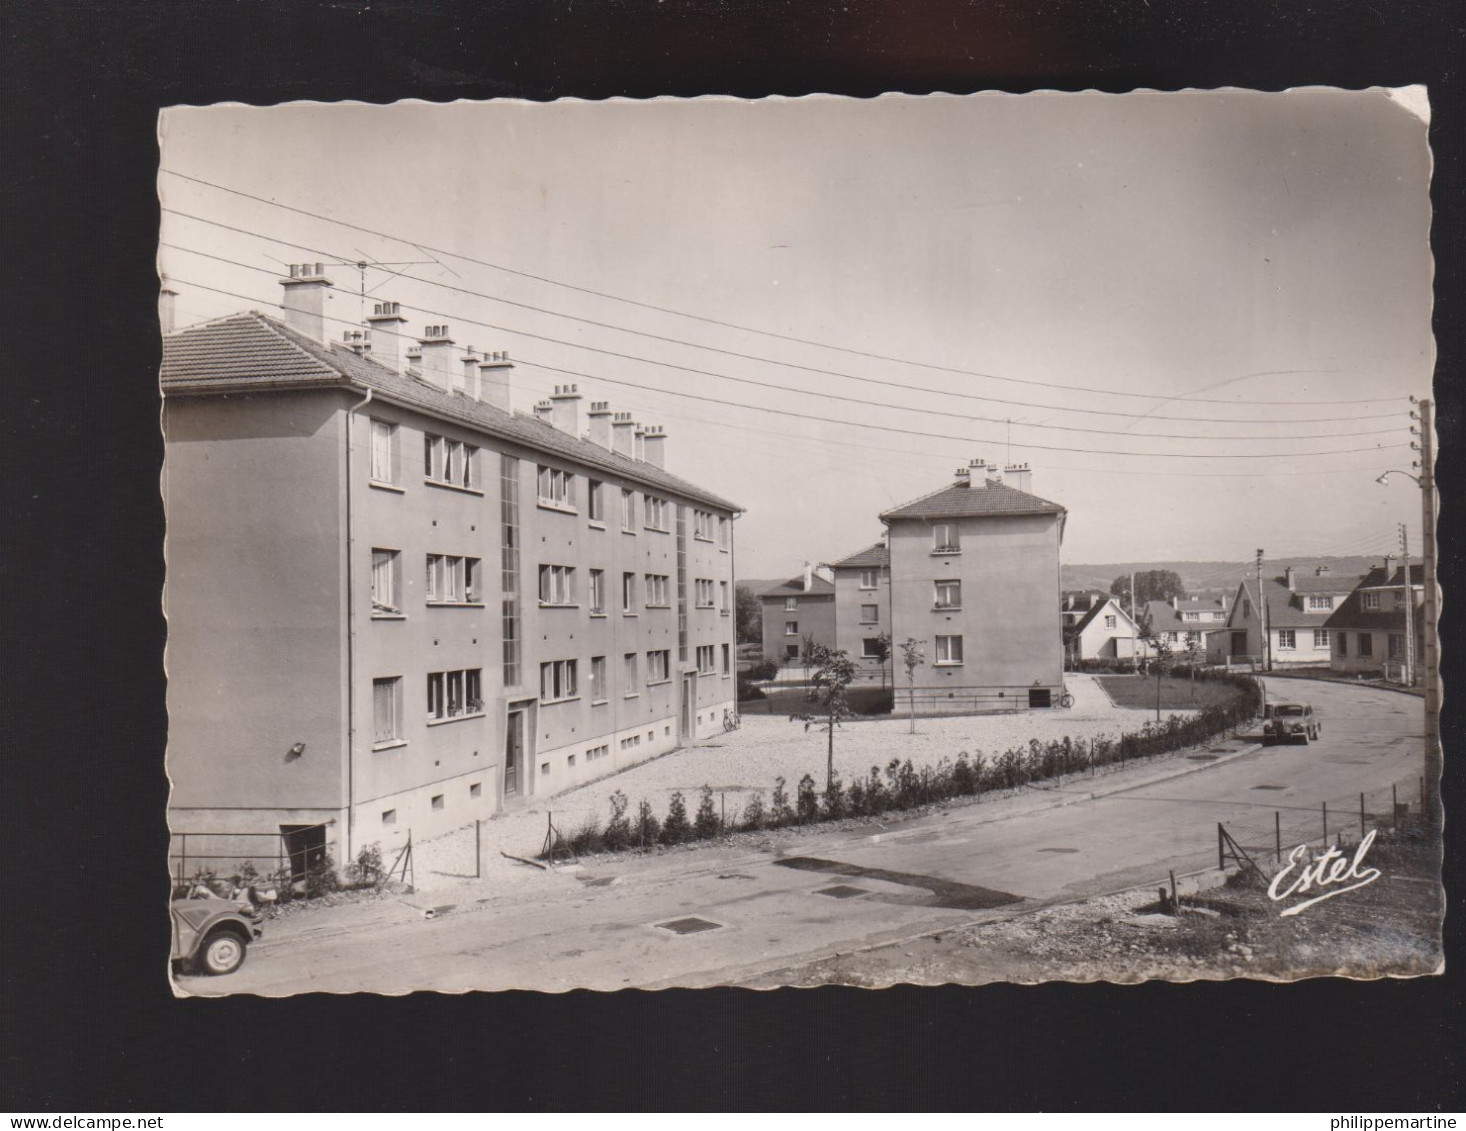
{"x":1278,"y":832}
{"x":1361,"y":816}
{"x":723,"y":814}
{"x":1221,"y":858}
{"x":1091,"y":757}
{"x":1394,"y":806}
{"x":478,"y":849}
{"x":1325,"y":824}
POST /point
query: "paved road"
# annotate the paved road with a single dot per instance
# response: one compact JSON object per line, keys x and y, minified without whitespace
{"x":601,"y":927}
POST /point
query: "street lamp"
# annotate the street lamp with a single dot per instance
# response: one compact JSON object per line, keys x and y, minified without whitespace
{"x":1384,"y":480}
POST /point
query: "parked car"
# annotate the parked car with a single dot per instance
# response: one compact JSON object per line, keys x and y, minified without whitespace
{"x":1289,"y":721}
{"x":211,"y":935}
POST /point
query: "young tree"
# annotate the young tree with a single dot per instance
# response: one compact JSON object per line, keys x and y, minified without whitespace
{"x":1160,"y":654}
{"x":749,"y":616}
{"x":912,"y":656}
{"x":883,"y":654}
{"x":833,"y":672}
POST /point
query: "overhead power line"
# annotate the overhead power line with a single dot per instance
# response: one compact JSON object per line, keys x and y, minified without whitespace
{"x":775,"y":387}
{"x":875,"y":427}
{"x":730,"y":325}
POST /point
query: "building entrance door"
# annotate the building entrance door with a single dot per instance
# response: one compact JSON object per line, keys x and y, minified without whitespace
{"x":1239,"y":642}
{"x":513,"y":752}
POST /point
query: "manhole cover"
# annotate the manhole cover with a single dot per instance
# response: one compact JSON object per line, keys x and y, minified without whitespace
{"x":842,"y":891}
{"x":1058,"y":850}
{"x":689,"y":926}
{"x":1201,"y":757}
{"x":1269,"y":787}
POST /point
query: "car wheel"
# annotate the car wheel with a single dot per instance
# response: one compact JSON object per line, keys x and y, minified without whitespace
{"x":223,"y":953}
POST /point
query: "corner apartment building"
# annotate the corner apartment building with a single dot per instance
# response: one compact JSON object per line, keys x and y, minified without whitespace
{"x":393,"y":603}
{"x":974,"y":573}
{"x":863,"y":608}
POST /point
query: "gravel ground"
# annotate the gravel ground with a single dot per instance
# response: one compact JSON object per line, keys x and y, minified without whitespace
{"x":748,"y":761}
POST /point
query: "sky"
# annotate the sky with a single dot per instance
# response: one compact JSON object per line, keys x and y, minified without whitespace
{"x":1197,"y":316}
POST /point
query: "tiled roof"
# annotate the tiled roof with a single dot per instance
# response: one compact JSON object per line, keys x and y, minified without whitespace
{"x":1164,"y":618}
{"x":254,"y":351}
{"x":868,"y":558}
{"x":794,"y":587}
{"x":1328,"y":583}
{"x":1283,"y":611}
{"x":992,"y":501}
{"x":1353,"y":615}
{"x":1202,"y":605}
{"x":1097,"y":608}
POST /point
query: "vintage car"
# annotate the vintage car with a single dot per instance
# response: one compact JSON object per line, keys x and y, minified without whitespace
{"x":211,"y":935}
{"x":1289,"y":721}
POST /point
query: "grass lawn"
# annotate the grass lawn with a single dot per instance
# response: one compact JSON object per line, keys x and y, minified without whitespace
{"x":1176,"y":694}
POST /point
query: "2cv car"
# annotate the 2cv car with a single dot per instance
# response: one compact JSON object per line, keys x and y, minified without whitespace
{"x":1287,"y":722}
{"x":212,"y":935}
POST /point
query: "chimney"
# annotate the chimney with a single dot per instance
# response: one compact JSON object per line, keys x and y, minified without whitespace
{"x":1389,"y":568}
{"x":600,"y":424}
{"x":980,"y":472}
{"x":623,"y":442}
{"x":964,"y":477}
{"x":358,"y":342}
{"x":437,"y":358}
{"x":469,"y":361}
{"x":1288,"y":577}
{"x":388,"y":328}
{"x":544,"y":410}
{"x":565,"y":405}
{"x":656,"y":445}
{"x":1176,"y":603}
{"x":494,"y":386}
{"x":1321,"y":571}
{"x":639,"y":448}
{"x":167,"y":312}
{"x":1018,"y":476}
{"x":305,"y":300}
{"x":808,"y":577}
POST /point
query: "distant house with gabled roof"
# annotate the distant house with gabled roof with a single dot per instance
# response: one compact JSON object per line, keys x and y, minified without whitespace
{"x":1298,"y":608}
{"x":797,"y":613}
{"x":1368,"y":630}
{"x":1105,"y":631}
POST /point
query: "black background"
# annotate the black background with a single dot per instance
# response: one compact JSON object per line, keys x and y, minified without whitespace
{"x":90,"y":1024}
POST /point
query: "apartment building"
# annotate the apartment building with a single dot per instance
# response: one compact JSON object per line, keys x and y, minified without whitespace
{"x":974,"y":570}
{"x":393,"y":603}
{"x":797,"y":613}
{"x":863,"y":608}
{"x":1368,"y":630}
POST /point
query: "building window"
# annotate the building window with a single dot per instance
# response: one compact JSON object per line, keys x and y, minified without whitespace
{"x":557,"y":681}
{"x":1343,"y":643}
{"x":791,"y":604}
{"x":1109,"y":622}
{"x":597,"y":591}
{"x":453,"y":580}
{"x":870,"y":614}
{"x":556,"y":488}
{"x":945,"y":539}
{"x":1246,"y":609}
{"x":557,"y":585}
{"x":707,"y":658}
{"x":723,"y":531}
{"x":453,"y":695}
{"x":869,"y":578}
{"x":656,"y":513}
{"x":509,"y":561}
{"x":791,"y":628}
{"x":628,"y":673}
{"x":1320,"y":638}
{"x":658,"y":591}
{"x":1396,"y":646}
{"x":727,"y":660}
{"x":1370,"y":600}
{"x":384,"y":452}
{"x":1287,"y":638}
{"x":791,"y":651}
{"x":1366,"y":644}
{"x":723,"y":597}
{"x":870,"y":648}
{"x":386,"y":710}
{"x":658,"y":666}
{"x":949,"y":649}
{"x":389,"y":816}
{"x":702,"y":525}
{"x":475,"y":790}
{"x":628,"y":510}
{"x":386,"y":582}
{"x":1324,"y":602}
{"x":598,"y":679}
{"x":704,"y":586}
{"x":594,"y":504}
{"x":448,"y":461}
{"x":437,"y":801}
{"x":628,"y":592}
{"x":949,"y":594}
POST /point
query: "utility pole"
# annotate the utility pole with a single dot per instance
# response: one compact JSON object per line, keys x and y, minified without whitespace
{"x":1428,"y":507}
{"x":1264,"y":652}
{"x":1409,"y":601}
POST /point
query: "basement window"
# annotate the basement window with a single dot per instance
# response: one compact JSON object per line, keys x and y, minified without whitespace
{"x":437,"y":801}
